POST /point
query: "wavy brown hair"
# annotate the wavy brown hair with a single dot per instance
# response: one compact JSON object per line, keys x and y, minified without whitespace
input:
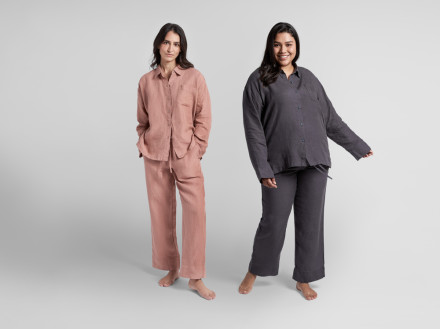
{"x":160,"y":37}
{"x":269,"y":68}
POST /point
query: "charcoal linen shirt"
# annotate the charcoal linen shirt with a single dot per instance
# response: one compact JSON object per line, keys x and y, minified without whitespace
{"x":287,"y":124}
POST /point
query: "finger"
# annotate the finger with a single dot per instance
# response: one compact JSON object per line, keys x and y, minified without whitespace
{"x":272,"y":185}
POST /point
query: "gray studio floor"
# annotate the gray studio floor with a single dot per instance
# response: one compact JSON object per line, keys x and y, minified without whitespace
{"x":105,"y":280}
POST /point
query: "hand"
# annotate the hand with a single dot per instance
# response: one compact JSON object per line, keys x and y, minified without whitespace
{"x":269,"y":182}
{"x":368,"y":154}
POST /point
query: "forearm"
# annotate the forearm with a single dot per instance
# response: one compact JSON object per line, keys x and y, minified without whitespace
{"x":347,"y":138}
{"x":201,"y":132}
{"x":256,"y":143}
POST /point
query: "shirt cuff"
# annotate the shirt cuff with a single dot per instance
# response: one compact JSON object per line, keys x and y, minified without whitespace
{"x":265,"y":172}
{"x":360,"y":149}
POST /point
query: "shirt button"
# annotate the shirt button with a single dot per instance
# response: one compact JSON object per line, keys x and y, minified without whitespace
{"x":302,"y":140}
{"x":299,"y":107}
{"x":301,"y":124}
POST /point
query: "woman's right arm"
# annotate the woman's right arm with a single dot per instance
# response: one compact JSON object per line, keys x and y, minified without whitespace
{"x":142,"y":115}
{"x":254,"y":132}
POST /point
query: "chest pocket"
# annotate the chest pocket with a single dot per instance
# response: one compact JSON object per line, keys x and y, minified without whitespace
{"x":313,"y":105}
{"x":186,"y":96}
{"x":311,"y":94}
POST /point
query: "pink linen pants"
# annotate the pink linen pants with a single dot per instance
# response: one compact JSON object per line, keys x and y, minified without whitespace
{"x":162,"y":178}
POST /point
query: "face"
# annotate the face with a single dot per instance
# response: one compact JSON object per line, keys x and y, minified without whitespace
{"x":169,"y":49}
{"x":284,"y":48}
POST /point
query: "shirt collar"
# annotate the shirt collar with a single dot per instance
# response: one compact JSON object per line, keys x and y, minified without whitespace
{"x":158,"y":70}
{"x":296,"y":72}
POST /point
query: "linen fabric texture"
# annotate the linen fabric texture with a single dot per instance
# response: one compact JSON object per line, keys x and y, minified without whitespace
{"x":287,"y":124}
{"x":304,"y":189}
{"x":174,"y":121}
{"x":162,"y":178}
{"x":177,"y":109}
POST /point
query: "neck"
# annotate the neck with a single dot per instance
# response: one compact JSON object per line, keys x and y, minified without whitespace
{"x":288,"y":70}
{"x":168,"y":67}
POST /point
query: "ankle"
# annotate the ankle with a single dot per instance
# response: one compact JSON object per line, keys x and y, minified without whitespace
{"x":195,"y":280}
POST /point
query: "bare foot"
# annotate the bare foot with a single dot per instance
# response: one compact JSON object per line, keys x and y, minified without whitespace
{"x":247,"y":283}
{"x":169,"y":279}
{"x":199,"y":286}
{"x":307,"y":292}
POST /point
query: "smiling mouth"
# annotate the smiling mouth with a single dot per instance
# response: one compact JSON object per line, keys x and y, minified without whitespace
{"x":283,"y":56}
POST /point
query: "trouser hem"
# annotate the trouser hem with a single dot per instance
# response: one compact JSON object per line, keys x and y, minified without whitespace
{"x":193,"y":273}
{"x":167,"y":267}
{"x":308,"y":276}
{"x":262,"y":270}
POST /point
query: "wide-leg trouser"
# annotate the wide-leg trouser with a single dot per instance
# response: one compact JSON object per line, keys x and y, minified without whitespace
{"x":304,"y":188}
{"x":162,"y":178}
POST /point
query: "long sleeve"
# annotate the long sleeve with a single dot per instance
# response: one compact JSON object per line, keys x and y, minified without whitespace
{"x":254,"y":132}
{"x":202,"y":119}
{"x":339,"y":131}
{"x":142,"y":115}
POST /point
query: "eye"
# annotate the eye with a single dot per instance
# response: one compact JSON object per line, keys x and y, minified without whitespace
{"x":276,"y":45}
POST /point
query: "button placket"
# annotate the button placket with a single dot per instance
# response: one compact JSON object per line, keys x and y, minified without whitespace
{"x":302,"y":138}
{"x":169,"y":116}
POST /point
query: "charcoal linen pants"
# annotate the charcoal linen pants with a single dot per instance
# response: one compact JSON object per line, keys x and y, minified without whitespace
{"x":304,"y":189}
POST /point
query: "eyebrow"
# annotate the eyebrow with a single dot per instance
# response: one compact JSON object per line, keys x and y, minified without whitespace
{"x":285,"y":42}
{"x":171,"y":41}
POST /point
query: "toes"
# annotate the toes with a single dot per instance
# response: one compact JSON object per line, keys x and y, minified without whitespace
{"x":243,"y":290}
{"x":164,"y":283}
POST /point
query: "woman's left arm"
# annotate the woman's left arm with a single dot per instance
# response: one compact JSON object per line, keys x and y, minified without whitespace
{"x":339,"y":131}
{"x":202,"y":119}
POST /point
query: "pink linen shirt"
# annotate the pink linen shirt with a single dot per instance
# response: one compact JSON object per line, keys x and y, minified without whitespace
{"x":177,"y":110}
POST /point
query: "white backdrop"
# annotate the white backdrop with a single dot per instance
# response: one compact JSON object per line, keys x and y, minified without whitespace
{"x":75,"y":245}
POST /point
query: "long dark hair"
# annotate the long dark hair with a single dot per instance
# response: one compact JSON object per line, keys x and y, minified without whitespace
{"x":160,"y":37}
{"x":269,"y":68}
